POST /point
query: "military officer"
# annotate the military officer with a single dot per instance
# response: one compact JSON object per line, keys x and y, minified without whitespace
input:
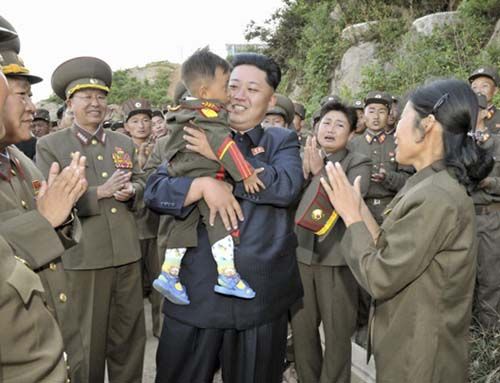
{"x":360,"y":125}
{"x":299,"y":122}
{"x":104,"y":269}
{"x":393,"y":117}
{"x":420,"y":265}
{"x":487,"y":204}
{"x":30,"y":212}
{"x":387,"y":176}
{"x":330,"y":290}
{"x":32,"y":344}
{"x":41,"y":123}
{"x":138,"y":124}
{"x":159,"y":125}
{"x":281,"y":114}
{"x":40,"y":127}
{"x":485,"y":80}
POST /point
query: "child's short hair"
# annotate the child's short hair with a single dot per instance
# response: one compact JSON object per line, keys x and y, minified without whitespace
{"x":201,"y":65}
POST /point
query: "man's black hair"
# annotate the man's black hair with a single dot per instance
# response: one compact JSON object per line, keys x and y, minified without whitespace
{"x":264,"y":63}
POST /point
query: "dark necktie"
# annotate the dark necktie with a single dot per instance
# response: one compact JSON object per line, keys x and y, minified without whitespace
{"x":244,"y":144}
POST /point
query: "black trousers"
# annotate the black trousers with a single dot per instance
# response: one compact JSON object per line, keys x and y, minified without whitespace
{"x":189,"y":354}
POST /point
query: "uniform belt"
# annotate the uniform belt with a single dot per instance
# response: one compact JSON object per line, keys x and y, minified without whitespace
{"x":377,"y":201}
{"x":487,"y":209}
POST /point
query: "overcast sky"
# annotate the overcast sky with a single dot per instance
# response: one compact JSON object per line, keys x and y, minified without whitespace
{"x":126,"y":33}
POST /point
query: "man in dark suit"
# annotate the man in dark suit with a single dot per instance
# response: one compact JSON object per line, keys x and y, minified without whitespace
{"x":246,"y":338}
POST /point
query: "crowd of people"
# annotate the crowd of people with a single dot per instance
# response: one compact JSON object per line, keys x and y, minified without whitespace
{"x":247,"y":229}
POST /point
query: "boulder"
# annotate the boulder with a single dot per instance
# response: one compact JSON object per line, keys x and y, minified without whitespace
{"x":336,"y":14}
{"x":495,"y":37}
{"x":428,"y":23}
{"x":357,"y":32}
{"x":348,"y":73}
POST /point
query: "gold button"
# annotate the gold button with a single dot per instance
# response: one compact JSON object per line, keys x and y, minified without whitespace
{"x":24,"y":204}
{"x":113,"y":210}
{"x":53,"y":266}
{"x":104,"y":175}
{"x":100,"y":158}
{"x":63,"y":298}
{"x":13,"y":172}
{"x":94,"y":142}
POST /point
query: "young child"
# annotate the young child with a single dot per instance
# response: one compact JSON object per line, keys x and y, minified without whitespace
{"x":206,"y":77}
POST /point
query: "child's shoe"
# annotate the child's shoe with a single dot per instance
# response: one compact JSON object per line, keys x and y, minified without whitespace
{"x":234,"y":285}
{"x":169,"y":286}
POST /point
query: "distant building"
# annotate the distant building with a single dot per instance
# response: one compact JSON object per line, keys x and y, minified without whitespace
{"x":233,"y":49}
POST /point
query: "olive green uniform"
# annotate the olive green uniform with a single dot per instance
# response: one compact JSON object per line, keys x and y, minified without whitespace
{"x":492,"y":121}
{"x":166,"y":222}
{"x":487,"y":204}
{"x":381,"y":149}
{"x":31,"y":347}
{"x":104,"y":268}
{"x":212,"y":118}
{"x":34,"y":240}
{"x":330,"y":293}
{"x":421,"y":273}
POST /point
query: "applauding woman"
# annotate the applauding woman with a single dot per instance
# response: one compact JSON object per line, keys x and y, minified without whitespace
{"x":330,"y":290}
{"x":420,"y":265}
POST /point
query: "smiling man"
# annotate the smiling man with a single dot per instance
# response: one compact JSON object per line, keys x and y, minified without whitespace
{"x":104,"y":269}
{"x":485,"y":80}
{"x":35,"y":220}
{"x":246,"y":337}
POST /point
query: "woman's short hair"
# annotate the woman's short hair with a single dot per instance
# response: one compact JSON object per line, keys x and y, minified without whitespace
{"x":349,"y":112}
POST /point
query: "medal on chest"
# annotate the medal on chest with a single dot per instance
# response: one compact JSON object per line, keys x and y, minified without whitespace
{"x":122,"y":159}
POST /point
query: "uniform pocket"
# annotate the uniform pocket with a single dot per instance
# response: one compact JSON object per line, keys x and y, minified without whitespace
{"x":25,"y":282}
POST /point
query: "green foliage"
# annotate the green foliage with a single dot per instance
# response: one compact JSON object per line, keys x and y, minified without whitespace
{"x":125,"y":86}
{"x":453,"y":50}
{"x":306,"y":41}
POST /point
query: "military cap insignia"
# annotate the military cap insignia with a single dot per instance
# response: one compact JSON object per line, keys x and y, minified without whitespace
{"x":378,"y":96}
{"x":209,"y":109}
{"x":257,"y":150}
{"x":138,"y":104}
{"x":480,"y":70}
{"x":93,"y":81}
{"x":37,"y":185}
{"x":122,"y":159}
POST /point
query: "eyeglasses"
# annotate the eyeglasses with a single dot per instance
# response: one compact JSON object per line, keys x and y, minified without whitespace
{"x":101,"y":99}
